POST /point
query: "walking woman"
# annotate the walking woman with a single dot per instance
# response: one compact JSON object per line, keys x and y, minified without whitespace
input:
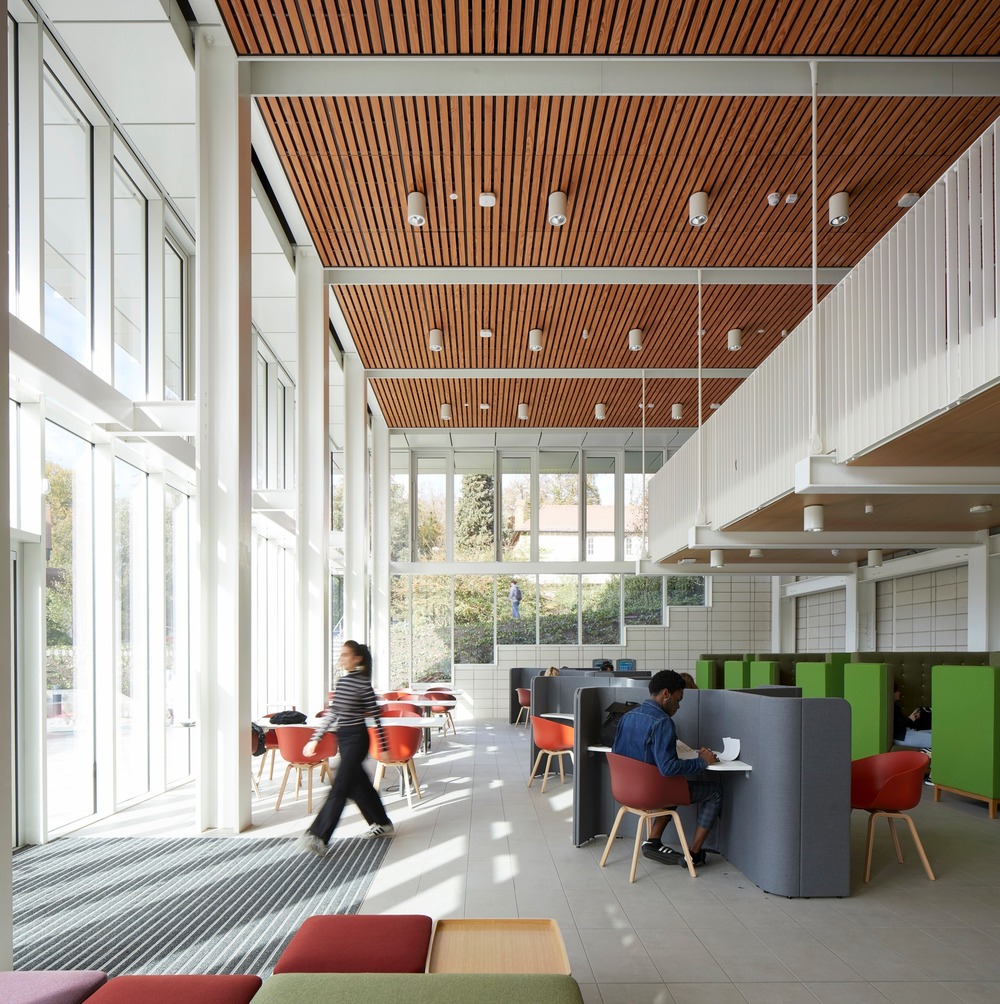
{"x":353,"y":702}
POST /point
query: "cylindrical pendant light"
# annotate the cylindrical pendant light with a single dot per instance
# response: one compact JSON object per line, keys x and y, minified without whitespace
{"x":698,"y":209}
{"x":677,"y":412}
{"x":416,"y":209}
{"x":557,"y":209}
{"x":445,"y":412}
{"x":599,"y":412}
{"x":735,"y":339}
{"x":435,"y":340}
{"x":875,"y":557}
{"x":717,"y":559}
{"x":812,"y":518}
{"x":840,"y":209}
{"x":635,"y":340}
{"x":535,"y":340}
{"x":522,"y":412}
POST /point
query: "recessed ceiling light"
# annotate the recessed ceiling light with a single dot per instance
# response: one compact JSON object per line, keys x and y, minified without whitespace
{"x":715,"y":406}
{"x":760,"y":331}
{"x":485,"y":333}
{"x":453,"y":196}
{"x":986,"y":507}
{"x":487,"y":200}
{"x":908,"y":199}
{"x":484,"y":407}
{"x":773,"y":198}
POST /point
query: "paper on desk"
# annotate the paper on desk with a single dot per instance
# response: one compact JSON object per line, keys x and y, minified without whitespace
{"x":730,"y":749}
{"x":684,"y":752}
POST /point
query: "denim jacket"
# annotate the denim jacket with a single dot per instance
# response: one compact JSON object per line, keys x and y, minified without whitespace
{"x":647,"y":733}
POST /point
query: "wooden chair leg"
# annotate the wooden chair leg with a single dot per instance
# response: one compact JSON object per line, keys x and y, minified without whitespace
{"x":920,"y":846}
{"x":895,"y":838}
{"x":562,"y":770}
{"x":379,"y":774}
{"x":281,"y":790}
{"x":870,"y":845}
{"x":548,"y":767}
{"x":413,"y":773}
{"x":682,"y":837}
{"x":309,"y":790}
{"x":253,"y":781}
{"x":636,"y":845}
{"x":534,"y":770}
{"x":613,"y":834}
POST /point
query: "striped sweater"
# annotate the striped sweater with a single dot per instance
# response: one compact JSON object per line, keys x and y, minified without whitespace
{"x":353,"y":702}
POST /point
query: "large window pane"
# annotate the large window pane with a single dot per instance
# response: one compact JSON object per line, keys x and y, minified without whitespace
{"x":177,"y":665}
{"x":68,"y":229}
{"x":260,"y":424}
{"x":400,"y":626}
{"x":473,"y":607}
{"x":432,"y":659}
{"x":399,"y":507}
{"x":557,"y":606}
{"x":130,"y":287}
{"x":643,"y":599}
{"x":635,"y":499}
{"x":431,"y":509}
{"x":559,"y":506}
{"x":475,"y":499}
{"x":336,"y":492}
{"x":132,"y":692}
{"x":599,"y":486}
{"x":69,"y":616}
{"x":515,"y":514}
{"x":174,"y":307}
{"x":516,"y":618}
{"x":601,"y":610}
{"x":686,"y":591}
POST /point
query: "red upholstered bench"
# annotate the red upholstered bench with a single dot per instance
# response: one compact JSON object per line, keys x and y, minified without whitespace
{"x":71,"y":986}
{"x":358,"y":943}
{"x":174,"y":989}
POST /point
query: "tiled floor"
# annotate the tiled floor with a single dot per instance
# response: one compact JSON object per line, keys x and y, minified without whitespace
{"x":480,"y":843}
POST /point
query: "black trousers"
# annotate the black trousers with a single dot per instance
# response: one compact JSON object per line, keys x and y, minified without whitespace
{"x":350,"y":781}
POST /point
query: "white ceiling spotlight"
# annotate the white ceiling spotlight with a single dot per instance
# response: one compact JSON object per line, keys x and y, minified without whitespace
{"x":773,"y":198}
{"x":717,"y":558}
{"x":840,"y":209}
{"x":677,"y":411}
{"x":635,"y":340}
{"x":698,"y":209}
{"x":485,"y":332}
{"x":435,"y":340}
{"x":416,"y":209}
{"x":686,"y":561}
{"x":535,"y":339}
{"x":908,"y":199}
{"x":791,"y":198}
{"x":981,"y":508}
{"x":735,"y":339}
{"x":756,"y":552}
{"x":812,"y":518}
{"x":557,"y":209}
{"x":715,"y":406}
{"x":445,"y":412}
{"x":484,"y":406}
{"x":487,"y":200}
{"x":522,"y":412}
{"x":875,"y":557}
{"x":599,"y":412}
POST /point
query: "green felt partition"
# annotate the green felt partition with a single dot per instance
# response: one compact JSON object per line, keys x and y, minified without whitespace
{"x":820,"y":679}
{"x":867,"y":690}
{"x":706,"y":674}
{"x":763,"y":674}
{"x":735,"y":674}
{"x":966,"y":715}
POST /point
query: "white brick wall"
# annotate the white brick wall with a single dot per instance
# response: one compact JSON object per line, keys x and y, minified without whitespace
{"x":821,"y":622}
{"x":923,"y":612}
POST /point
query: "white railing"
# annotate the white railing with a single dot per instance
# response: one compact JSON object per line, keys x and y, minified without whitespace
{"x":912,"y":330}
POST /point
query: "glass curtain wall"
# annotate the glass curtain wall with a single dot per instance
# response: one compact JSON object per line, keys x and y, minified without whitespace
{"x":176,"y":640}
{"x":559,"y":506}
{"x":69,"y":628}
{"x":129,"y":236}
{"x":558,"y":601}
{"x":600,"y":610}
{"x":599,"y":512}
{"x":635,"y":499}
{"x":515,"y":511}
{"x":475,"y":504}
{"x":174,"y":326}
{"x":431,"y":509}
{"x":399,"y":507}
{"x":473,"y":611}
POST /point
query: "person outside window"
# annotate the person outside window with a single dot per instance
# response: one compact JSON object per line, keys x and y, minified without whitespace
{"x":647,"y":733}
{"x":515,"y":600}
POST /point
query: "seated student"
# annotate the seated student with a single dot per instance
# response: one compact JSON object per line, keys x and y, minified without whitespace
{"x":647,"y":733}
{"x":912,"y":730}
{"x":607,"y":666}
{"x":689,"y":683}
{"x":551,"y":671}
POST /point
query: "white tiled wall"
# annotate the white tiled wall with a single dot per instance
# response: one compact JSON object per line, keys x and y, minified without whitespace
{"x":739,"y":620}
{"x":821,"y":622}
{"x":923,"y":612}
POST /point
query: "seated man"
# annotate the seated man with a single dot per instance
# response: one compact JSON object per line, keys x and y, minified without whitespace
{"x":647,"y":733}
{"x":913,"y":730}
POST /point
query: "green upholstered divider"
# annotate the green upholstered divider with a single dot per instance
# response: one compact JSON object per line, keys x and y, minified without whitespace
{"x":966,"y":715}
{"x":735,"y":674}
{"x":866,"y":689}
{"x":820,"y":679}
{"x":763,"y":674}
{"x":706,"y":674}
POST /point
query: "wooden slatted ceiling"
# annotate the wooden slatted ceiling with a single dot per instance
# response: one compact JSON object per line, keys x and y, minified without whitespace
{"x":390,"y":324}
{"x":742,"y":27}
{"x":416,"y":403}
{"x":628,"y":165}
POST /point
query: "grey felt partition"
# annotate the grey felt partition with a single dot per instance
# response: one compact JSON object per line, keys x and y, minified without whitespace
{"x":786,"y":826}
{"x":521,"y":676}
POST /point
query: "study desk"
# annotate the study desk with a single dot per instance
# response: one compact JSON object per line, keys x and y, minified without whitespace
{"x":722,"y":765}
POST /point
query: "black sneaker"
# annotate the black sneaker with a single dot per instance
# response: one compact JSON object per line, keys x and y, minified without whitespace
{"x":698,"y":857}
{"x":660,"y":852}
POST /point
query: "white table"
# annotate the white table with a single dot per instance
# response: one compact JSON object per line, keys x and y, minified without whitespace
{"x":722,"y":765}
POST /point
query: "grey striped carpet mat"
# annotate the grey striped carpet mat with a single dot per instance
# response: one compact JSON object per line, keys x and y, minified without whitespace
{"x":178,"y":905}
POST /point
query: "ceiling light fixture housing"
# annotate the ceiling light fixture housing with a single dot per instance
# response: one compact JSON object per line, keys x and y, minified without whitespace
{"x":686,"y":561}
{"x":981,"y":508}
{"x":557,"y":209}
{"x":717,"y":558}
{"x":445,"y":412}
{"x":875,"y":557}
{"x":756,"y":552}
{"x":435,"y":340}
{"x":635,"y":340}
{"x":698,"y":209}
{"x":487,"y":200}
{"x":773,"y":198}
{"x":840,"y":209}
{"x":735,"y":339}
{"x":812,"y":518}
{"x":908,"y":199}
{"x":522,"y":412}
{"x":599,"y":412}
{"x":677,"y":411}
{"x":416,"y":209}
{"x":535,"y":339}
{"x":485,"y":333}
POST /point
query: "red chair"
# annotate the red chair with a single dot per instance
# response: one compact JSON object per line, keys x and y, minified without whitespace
{"x":403,"y":742}
{"x":398,"y":695}
{"x":399,"y":711}
{"x":291,"y":739}
{"x":555,"y":739}
{"x":885,"y":785}
{"x":444,"y":708}
{"x":640,"y":788}
{"x":524,"y":699}
{"x":399,"y":706}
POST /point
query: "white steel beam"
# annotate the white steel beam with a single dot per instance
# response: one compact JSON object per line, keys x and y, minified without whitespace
{"x":824,"y":476}
{"x":704,"y":537}
{"x":555,"y":276}
{"x":620,"y":75}
{"x":555,"y":373}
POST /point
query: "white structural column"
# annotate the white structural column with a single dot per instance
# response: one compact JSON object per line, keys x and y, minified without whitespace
{"x":355,"y":500}
{"x":381,"y":546}
{"x":224,"y":351}
{"x":312,"y":480}
{"x":979,"y":597}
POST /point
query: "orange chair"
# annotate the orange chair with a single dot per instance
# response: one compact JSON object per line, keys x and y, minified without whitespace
{"x":399,"y":711}
{"x":640,"y":788}
{"x":555,"y":739}
{"x":398,"y":695}
{"x":885,"y":785}
{"x":399,"y":706}
{"x":524,"y":699}
{"x":291,"y":739}
{"x":447,"y":700}
{"x":403,"y":744}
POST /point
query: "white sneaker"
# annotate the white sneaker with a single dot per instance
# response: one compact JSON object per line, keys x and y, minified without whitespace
{"x":310,"y":842}
{"x":380,"y":830}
